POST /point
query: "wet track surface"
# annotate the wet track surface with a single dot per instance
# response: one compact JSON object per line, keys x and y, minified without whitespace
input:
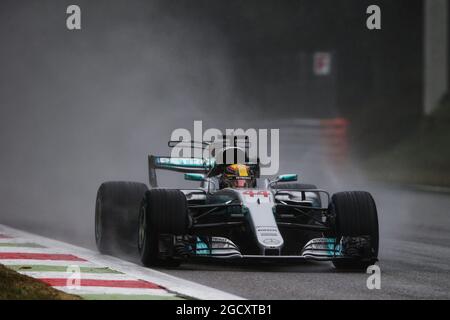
{"x":414,"y":259}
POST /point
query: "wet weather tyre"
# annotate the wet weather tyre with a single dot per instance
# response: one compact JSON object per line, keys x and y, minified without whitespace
{"x":356,"y":216}
{"x":163,"y":212}
{"x":116,"y":215}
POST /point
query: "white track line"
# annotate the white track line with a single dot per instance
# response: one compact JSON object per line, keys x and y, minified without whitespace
{"x":14,"y":240}
{"x":32,"y":250}
{"x":174,"y":284}
{"x":66,"y":275}
{"x":106,"y":290}
{"x":48,"y":262}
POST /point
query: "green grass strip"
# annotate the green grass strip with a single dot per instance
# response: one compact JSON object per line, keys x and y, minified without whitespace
{"x":20,"y":245}
{"x":127,"y":297}
{"x":49,"y":268}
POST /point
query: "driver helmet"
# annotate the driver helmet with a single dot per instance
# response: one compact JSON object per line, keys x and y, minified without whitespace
{"x":237,"y":176}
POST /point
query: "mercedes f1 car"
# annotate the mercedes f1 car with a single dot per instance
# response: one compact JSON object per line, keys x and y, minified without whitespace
{"x":230,"y":217}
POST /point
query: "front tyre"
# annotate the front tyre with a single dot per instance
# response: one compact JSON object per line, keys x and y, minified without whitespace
{"x":356,"y":218}
{"x":163,"y":215}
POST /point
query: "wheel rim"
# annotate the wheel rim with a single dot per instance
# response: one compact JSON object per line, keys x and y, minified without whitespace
{"x":98,"y":220}
{"x":142,"y":227}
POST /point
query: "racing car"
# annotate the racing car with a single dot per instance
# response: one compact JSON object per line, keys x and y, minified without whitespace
{"x":229,"y":216}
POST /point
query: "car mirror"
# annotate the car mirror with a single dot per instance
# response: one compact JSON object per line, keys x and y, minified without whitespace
{"x":287,"y":177}
{"x":194,"y":176}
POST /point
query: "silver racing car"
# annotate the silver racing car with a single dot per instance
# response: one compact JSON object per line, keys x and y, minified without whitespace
{"x":229,"y":216}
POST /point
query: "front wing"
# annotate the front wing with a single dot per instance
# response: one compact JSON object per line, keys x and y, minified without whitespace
{"x":318,"y":249}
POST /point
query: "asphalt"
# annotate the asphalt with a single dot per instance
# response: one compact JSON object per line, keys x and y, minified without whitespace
{"x":414,"y":259}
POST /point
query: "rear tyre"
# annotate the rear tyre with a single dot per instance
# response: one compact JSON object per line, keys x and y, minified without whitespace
{"x":162,"y":212}
{"x":356,"y":216}
{"x":116,"y":215}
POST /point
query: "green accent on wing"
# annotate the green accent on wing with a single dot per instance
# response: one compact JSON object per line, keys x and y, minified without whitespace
{"x":20,"y":245}
{"x":49,"y":268}
{"x":287,"y":177}
{"x":194,"y":176}
{"x":334,"y":249}
{"x":202,"y":248}
{"x":128,"y":297}
{"x":184,"y":162}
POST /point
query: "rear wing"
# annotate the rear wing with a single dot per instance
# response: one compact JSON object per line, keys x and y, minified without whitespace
{"x":218,"y":150}
{"x":186,"y":165}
